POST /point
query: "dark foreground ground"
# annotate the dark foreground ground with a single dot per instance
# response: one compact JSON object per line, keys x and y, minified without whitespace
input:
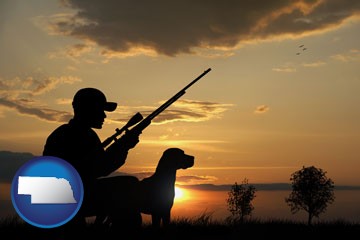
{"x":188,"y":229}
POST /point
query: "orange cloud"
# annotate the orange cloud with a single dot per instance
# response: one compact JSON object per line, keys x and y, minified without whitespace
{"x":261,"y":109}
{"x":19,"y":95}
{"x":185,"y":110}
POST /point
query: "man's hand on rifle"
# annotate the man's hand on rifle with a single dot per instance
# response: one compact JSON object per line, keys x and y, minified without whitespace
{"x":118,"y":150}
{"x":129,"y":140}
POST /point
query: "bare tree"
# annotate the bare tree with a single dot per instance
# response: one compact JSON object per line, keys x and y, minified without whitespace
{"x":312,"y":191}
{"x":240,"y":198}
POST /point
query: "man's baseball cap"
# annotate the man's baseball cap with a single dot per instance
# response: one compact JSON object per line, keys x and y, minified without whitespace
{"x":88,"y":98}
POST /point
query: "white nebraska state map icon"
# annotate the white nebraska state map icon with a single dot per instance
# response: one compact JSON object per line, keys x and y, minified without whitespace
{"x":46,"y":190}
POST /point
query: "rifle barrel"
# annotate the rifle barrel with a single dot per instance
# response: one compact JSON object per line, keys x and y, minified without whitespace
{"x":146,"y":121}
{"x":175,"y":97}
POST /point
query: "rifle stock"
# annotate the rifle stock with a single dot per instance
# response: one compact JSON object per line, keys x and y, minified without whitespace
{"x":144,"y":123}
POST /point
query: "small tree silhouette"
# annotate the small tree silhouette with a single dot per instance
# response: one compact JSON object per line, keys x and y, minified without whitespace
{"x":312,"y":191}
{"x":239,"y":200}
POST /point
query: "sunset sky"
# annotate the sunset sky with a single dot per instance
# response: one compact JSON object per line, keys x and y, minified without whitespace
{"x":283,"y":91}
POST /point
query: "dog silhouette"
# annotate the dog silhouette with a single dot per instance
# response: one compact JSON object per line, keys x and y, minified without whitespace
{"x":157,"y":192}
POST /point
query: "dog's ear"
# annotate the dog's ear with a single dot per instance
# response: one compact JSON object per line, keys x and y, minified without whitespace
{"x":171,"y":159}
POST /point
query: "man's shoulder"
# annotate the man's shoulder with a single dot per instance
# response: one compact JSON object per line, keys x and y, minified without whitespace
{"x":60,"y":132}
{"x":73,"y":131}
{"x":62,"y":129}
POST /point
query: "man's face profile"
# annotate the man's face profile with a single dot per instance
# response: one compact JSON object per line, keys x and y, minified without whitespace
{"x":96,"y":117}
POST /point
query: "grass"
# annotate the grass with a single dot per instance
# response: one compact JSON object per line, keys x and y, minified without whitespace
{"x":201,"y":227}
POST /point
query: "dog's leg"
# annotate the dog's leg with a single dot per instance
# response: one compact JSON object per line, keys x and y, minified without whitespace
{"x":155,"y":220}
{"x":166,"y":219}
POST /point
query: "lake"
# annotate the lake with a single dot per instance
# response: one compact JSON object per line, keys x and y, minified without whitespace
{"x":268,"y":204}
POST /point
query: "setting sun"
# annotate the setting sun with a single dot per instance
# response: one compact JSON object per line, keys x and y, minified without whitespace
{"x":180,"y":194}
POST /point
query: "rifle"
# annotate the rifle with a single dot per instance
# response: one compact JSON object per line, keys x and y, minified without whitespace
{"x":143,"y":123}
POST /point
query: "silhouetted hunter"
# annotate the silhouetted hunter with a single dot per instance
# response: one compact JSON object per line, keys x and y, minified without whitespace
{"x":77,"y":143}
{"x":115,"y":198}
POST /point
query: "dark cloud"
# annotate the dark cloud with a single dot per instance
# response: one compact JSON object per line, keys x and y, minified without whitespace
{"x":33,"y":86}
{"x":191,"y":179}
{"x":173,"y":27}
{"x":139,"y":175}
{"x":46,"y":114}
{"x":20,"y":94}
{"x":227,"y":187}
{"x":258,"y":187}
{"x":185,"y":179}
{"x":10,"y":162}
{"x":176,"y":115}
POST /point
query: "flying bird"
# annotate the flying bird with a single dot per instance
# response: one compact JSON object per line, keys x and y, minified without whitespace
{"x":303,"y":48}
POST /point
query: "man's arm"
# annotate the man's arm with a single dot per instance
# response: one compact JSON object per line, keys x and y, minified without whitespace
{"x":117,"y":153}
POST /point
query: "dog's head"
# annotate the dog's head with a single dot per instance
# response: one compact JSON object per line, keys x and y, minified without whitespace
{"x":175,"y":158}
